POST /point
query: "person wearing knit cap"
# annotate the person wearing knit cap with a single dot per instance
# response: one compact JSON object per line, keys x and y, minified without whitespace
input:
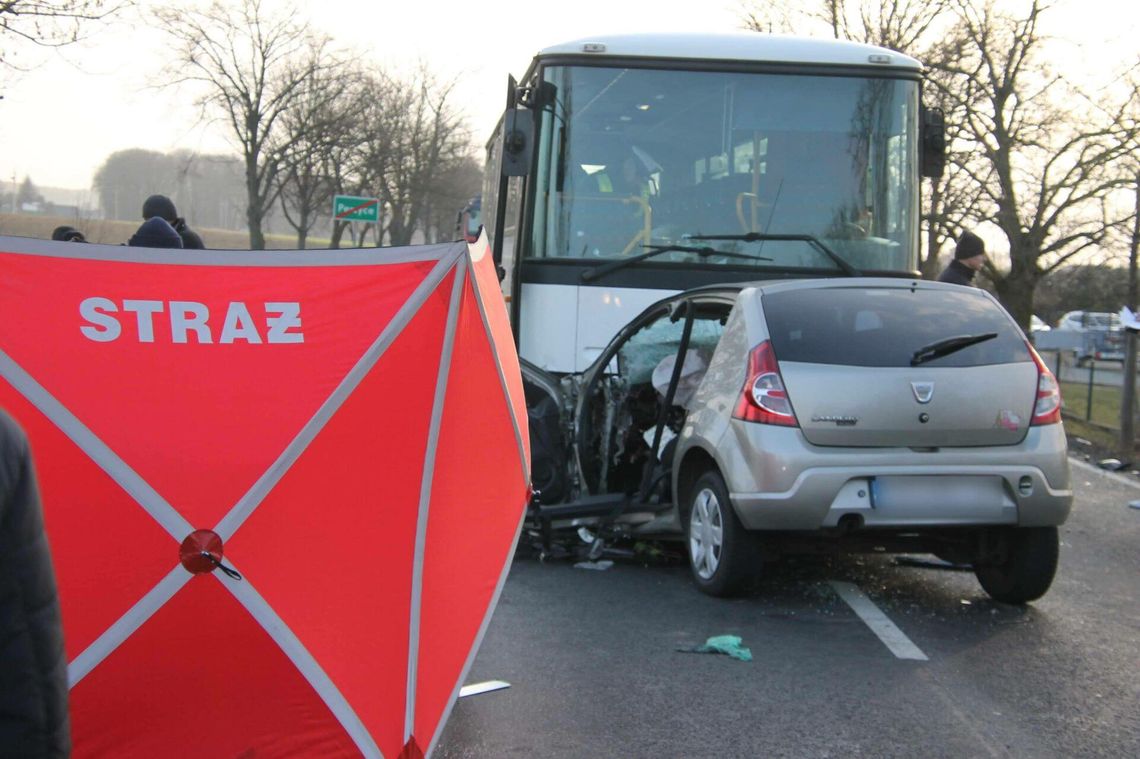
{"x":163,"y":207}
{"x":155,"y":232}
{"x":969,"y":256}
{"x":67,"y":234}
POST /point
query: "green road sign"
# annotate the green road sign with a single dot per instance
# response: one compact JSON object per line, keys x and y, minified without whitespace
{"x":352,"y":208}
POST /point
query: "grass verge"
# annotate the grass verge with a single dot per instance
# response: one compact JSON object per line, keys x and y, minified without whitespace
{"x":1101,"y":427}
{"x":115,"y":231}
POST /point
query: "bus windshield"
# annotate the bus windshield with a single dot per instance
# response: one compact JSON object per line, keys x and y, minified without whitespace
{"x":630,"y":158}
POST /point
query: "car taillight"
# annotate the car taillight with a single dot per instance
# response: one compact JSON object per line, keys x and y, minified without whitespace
{"x":1047,"y":409}
{"x":763,"y":398}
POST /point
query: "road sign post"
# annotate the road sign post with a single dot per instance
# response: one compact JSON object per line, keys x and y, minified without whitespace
{"x":353,"y":209}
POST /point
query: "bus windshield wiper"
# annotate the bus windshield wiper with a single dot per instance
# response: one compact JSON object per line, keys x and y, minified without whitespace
{"x":948,"y":346}
{"x":837,"y":259}
{"x":703,"y":251}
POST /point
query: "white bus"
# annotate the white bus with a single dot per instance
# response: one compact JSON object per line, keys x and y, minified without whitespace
{"x":627,"y":168}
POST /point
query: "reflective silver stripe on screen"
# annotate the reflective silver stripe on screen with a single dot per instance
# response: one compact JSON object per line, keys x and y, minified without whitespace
{"x":425,"y":495}
{"x":122,"y":629}
{"x":292,"y":647}
{"x":252,"y":499}
{"x":478,"y":636}
{"x":106,"y":459}
{"x":502,"y":378}
{"x":215,"y":257}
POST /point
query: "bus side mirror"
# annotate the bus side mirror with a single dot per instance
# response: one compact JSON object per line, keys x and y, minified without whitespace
{"x":518,"y":136}
{"x":933,"y":142}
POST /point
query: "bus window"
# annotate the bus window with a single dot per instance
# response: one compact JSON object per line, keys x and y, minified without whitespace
{"x":636,"y":157}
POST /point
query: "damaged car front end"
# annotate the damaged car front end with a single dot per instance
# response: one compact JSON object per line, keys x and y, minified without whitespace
{"x":602,"y":440}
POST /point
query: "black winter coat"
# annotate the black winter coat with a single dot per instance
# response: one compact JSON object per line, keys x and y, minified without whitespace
{"x":33,"y":665}
{"x":191,"y":240}
{"x":957,"y":273}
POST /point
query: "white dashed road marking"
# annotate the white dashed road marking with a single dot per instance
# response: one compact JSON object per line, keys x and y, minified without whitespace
{"x":892,"y":637}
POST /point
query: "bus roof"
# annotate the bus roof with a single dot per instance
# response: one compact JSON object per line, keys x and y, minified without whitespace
{"x":736,"y":47}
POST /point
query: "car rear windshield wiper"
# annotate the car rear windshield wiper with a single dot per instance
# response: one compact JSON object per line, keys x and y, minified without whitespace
{"x":837,"y":259}
{"x":948,"y":346}
{"x":703,"y":251}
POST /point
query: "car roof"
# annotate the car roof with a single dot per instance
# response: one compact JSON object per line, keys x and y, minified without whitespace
{"x":776,"y":285}
{"x":780,"y":285}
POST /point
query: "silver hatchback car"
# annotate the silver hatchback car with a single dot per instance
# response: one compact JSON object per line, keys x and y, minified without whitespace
{"x":852,"y":414}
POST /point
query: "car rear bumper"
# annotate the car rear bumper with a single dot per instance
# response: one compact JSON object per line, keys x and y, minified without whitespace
{"x":797,"y":486}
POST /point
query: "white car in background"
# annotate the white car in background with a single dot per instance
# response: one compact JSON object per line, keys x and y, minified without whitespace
{"x":1086,"y":320}
{"x":1102,"y":335}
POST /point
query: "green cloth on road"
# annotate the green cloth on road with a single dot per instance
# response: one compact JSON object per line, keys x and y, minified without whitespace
{"x":722,"y":644}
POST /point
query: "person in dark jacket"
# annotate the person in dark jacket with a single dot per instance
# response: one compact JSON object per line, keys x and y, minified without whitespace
{"x":155,"y":232}
{"x":969,"y":256}
{"x":163,"y":207}
{"x":33,"y":665}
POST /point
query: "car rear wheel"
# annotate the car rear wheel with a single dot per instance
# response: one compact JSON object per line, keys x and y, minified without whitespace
{"x":1028,"y":568}
{"x":722,"y":555}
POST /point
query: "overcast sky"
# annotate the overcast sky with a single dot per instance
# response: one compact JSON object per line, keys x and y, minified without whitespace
{"x":59,"y":121}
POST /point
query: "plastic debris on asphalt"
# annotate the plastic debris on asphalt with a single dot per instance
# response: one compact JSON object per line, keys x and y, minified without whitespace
{"x":600,"y":566}
{"x":1134,"y":504}
{"x":729,"y":645}
{"x":1113,"y":465}
{"x":484,"y":687}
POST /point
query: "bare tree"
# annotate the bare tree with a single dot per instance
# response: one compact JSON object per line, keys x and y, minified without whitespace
{"x":1029,"y":151}
{"x":412,"y":137}
{"x":452,"y":189}
{"x":771,"y":16}
{"x":950,"y":202}
{"x":210,"y":189}
{"x":317,"y":132}
{"x":251,"y":69}
{"x":428,"y":137}
{"x":357,"y":165}
{"x":1043,"y":152}
{"x":51,"y":23}
{"x":903,"y":25}
{"x":909,"y":26}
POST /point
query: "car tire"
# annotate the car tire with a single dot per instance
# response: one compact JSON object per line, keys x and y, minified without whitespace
{"x":1028,"y":569}
{"x":722,"y":554}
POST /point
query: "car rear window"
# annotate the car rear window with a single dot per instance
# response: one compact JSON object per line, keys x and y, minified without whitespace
{"x":885,"y":326}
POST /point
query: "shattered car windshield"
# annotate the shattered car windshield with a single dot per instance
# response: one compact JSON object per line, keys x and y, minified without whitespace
{"x":637,"y":157}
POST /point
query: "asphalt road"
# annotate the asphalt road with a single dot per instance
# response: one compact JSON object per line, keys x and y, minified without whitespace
{"x":592,"y":658}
